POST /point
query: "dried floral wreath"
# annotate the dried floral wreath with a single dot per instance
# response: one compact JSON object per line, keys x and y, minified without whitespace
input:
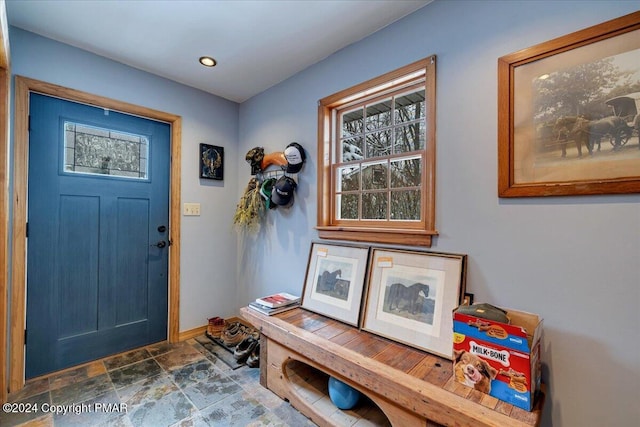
{"x":250,"y":209}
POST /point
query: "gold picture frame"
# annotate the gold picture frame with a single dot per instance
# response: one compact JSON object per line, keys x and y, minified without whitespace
{"x":569,"y":114}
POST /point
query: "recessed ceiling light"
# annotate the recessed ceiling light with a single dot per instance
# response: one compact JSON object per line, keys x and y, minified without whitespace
{"x":207,"y":61}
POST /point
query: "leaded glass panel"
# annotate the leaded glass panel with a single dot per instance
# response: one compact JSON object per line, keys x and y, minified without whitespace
{"x":100,"y":151}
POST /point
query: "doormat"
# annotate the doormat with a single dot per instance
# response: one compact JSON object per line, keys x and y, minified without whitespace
{"x":219,"y":350}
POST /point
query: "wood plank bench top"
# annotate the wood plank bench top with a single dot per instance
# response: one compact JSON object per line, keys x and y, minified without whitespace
{"x":409,"y":378}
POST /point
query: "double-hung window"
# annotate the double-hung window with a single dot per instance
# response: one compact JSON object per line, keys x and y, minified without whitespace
{"x":376,"y":165}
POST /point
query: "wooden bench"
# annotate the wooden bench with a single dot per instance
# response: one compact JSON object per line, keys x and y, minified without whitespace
{"x":411,"y":387}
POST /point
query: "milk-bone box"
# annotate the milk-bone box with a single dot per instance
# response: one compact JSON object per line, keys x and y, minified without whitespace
{"x":500,"y":359}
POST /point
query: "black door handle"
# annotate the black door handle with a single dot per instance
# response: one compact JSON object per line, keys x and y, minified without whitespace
{"x":161,"y":244}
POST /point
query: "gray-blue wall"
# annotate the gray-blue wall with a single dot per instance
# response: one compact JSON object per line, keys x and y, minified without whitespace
{"x":575,"y":261}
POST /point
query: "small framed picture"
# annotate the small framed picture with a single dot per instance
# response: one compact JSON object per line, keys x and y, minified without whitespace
{"x":335,"y":281}
{"x":411,"y":296}
{"x":211,"y":162}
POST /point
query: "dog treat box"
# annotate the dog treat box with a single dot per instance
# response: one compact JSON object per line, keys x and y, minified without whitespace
{"x":500,"y":359}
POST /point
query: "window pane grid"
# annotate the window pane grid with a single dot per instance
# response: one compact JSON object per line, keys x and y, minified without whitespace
{"x":385,"y":130}
{"x":385,"y":133}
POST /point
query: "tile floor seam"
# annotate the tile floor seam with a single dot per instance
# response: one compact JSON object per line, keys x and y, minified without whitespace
{"x":111,"y":381}
{"x":128,"y":364}
{"x":82,"y":401}
{"x":171,"y":378}
{"x":198,"y":411}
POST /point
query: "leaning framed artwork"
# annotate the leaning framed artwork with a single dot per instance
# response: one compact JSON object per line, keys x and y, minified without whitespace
{"x":211,"y":162}
{"x":335,"y":281}
{"x":569,"y":114}
{"x":411,"y":296}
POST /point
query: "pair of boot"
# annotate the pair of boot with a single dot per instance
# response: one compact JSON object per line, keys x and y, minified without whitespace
{"x":248,"y":351}
{"x":234,"y":332}
{"x":215,"y":326}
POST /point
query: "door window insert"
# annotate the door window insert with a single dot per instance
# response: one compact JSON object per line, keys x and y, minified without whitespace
{"x":100,"y":151}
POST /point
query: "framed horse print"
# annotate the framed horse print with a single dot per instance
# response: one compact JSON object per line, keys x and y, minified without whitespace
{"x":335,"y":281}
{"x":569,"y":114}
{"x":411,"y":296}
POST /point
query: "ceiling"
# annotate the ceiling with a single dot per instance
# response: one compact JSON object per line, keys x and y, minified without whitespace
{"x":257,"y":43}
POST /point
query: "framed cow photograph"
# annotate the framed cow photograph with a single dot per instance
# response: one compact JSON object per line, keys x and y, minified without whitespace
{"x":411,"y":295}
{"x":569,"y":114}
{"x":335,"y":281}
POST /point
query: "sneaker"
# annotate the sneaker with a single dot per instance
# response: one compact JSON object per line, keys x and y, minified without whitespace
{"x":253,"y":361}
{"x":244,"y":348}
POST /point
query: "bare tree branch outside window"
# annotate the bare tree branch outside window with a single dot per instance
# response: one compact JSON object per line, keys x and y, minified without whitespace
{"x":378,"y":184}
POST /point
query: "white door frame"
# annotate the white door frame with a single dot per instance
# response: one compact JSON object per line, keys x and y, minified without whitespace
{"x":23,"y":87}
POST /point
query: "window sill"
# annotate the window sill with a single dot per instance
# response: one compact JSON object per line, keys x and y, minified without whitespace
{"x":378,"y":235}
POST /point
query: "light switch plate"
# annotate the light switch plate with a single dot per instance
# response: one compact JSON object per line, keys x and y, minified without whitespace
{"x":191,"y":209}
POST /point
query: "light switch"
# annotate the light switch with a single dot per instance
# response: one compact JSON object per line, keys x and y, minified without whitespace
{"x":191,"y":209}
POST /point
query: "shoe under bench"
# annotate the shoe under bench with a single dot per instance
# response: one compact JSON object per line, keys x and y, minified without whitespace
{"x":410,"y":387}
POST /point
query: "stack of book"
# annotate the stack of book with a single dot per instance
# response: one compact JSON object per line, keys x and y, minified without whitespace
{"x":276,"y":303}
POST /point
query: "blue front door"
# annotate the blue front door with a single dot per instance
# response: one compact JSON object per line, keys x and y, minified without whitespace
{"x":98,"y":213}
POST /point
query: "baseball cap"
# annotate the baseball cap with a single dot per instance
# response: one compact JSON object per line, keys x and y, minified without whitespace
{"x":294,"y":153}
{"x":282,"y":194}
{"x":266,"y":189}
{"x":485,"y":311}
{"x":254,"y":158}
{"x":277,"y":158}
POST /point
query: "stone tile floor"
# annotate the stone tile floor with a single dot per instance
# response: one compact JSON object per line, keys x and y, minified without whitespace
{"x":183,"y":384}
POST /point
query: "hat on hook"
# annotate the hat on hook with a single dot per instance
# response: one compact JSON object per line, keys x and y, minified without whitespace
{"x":294,"y":153}
{"x":266,"y":189}
{"x":254,"y":158}
{"x":283,"y":189}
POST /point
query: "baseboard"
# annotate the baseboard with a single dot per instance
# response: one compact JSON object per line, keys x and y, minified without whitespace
{"x":192,"y":333}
